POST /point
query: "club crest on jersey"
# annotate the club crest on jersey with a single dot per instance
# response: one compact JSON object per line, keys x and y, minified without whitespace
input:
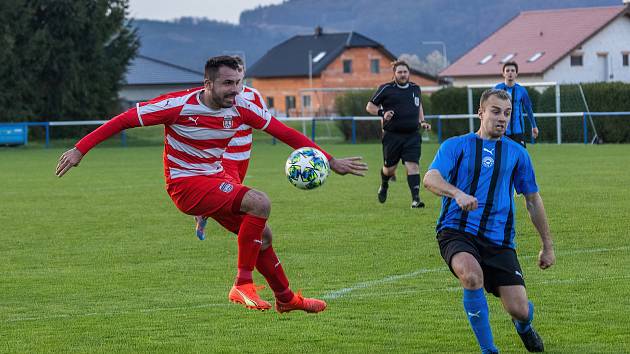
{"x":227,"y":122}
{"x":226,"y":187}
{"x":487,"y":161}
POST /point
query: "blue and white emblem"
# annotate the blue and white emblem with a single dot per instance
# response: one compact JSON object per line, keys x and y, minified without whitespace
{"x":487,"y":161}
{"x":226,"y":187}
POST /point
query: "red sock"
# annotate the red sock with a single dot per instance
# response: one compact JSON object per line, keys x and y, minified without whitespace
{"x":269,"y":266}
{"x":249,"y":243}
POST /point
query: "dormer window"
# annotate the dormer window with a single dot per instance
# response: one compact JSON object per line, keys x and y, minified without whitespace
{"x":486,"y":59}
{"x":535,"y":57}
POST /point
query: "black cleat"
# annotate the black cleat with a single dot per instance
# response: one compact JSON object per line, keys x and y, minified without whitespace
{"x":382,"y":194}
{"x":532,"y":341}
{"x":417,"y":203}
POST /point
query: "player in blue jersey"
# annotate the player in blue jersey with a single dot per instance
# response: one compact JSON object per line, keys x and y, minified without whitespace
{"x":520,"y":101}
{"x":476,"y":175}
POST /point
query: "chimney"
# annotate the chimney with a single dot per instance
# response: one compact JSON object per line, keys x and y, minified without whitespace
{"x":319,"y":30}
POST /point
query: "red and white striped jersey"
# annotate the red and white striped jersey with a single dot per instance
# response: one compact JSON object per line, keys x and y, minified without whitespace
{"x":239,"y":149}
{"x":195,"y":136}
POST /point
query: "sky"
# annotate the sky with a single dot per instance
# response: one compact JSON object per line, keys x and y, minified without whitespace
{"x":220,"y":10}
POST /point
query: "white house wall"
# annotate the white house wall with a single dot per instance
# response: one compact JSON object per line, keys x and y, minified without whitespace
{"x":614,"y":39}
{"x":139,"y":93}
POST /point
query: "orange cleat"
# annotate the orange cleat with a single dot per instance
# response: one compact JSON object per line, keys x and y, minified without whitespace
{"x":301,"y":303}
{"x":246,"y":295}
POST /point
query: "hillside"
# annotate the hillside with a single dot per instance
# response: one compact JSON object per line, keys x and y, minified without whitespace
{"x":400,"y":25}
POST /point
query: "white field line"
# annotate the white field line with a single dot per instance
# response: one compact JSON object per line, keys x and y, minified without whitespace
{"x":368,"y":284}
{"x":345,"y":292}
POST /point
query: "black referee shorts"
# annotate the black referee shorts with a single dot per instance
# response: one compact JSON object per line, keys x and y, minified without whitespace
{"x":405,"y":146}
{"x":500,"y":265}
{"x":519,"y":138}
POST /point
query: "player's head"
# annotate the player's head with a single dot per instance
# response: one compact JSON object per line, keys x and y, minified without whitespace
{"x":510,"y":71}
{"x":401,"y":72}
{"x":241,"y":69}
{"x":222,"y":80}
{"x":495,"y":108}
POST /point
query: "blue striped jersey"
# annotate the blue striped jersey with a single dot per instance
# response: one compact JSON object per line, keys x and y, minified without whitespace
{"x":520,"y":101}
{"x":490,"y":170}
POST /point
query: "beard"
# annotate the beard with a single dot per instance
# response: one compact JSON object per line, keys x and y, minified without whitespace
{"x":402,"y":81}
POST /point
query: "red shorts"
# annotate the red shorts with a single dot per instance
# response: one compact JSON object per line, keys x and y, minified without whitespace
{"x":218,"y":196}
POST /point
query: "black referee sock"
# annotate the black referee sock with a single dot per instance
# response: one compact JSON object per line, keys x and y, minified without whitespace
{"x":384,"y":180}
{"x":414,"y":186}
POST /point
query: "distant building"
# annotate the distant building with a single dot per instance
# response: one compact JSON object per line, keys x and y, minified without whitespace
{"x":147,"y":78}
{"x":566,"y":46}
{"x":301,"y":76}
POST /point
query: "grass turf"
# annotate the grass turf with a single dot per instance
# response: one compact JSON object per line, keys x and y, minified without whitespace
{"x":102,"y":261}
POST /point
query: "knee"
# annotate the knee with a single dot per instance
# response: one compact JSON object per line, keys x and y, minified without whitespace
{"x":471,"y":279}
{"x":266,"y":238}
{"x":256,"y":203}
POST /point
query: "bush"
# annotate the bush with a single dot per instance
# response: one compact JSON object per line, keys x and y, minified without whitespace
{"x":601,"y":97}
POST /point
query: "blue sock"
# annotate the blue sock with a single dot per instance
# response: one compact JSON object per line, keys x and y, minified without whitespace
{"x":476,"y":308}
{"x":522,"y":327}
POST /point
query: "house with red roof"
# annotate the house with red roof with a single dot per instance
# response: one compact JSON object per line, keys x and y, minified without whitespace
{"x":565,"y":46}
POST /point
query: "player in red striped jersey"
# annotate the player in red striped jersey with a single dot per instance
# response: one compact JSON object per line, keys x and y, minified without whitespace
{"x":237,"y":154}
{"x":198,"y":127}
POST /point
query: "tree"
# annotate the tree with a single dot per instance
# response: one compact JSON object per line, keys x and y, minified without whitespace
{"x":432,"y":64}
{"x":63,"y":59}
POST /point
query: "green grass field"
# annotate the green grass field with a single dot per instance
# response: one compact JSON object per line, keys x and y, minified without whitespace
{"x":101,"y":261}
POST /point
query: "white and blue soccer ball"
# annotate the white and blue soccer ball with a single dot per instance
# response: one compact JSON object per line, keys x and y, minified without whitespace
{"x":307,"y":168}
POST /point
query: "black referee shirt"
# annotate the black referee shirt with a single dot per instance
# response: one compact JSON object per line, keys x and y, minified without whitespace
{"x":404,"y":101}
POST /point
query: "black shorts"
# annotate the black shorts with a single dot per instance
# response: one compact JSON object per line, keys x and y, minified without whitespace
{"x":499,"y":264}
{"x":398,"y":146}
{"x":519,"y":138}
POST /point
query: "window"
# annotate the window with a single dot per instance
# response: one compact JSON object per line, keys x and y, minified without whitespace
{"x":486,"y":59}
{"x":289,"y":101}
{"x":625,"y":61}
{"x":375,"y":66}
{"x":535,"y":57}
{"x":319,"y":57}
{"x":270,"y":102}
{"x":306,"y":101}
{"x":507,"y":58}
{"x":576,"y":60}
{"x":347,"y":66}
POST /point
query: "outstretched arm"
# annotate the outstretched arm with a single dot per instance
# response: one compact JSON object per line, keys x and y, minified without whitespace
{"x":434,"y":182}
{"x":536,"y":209}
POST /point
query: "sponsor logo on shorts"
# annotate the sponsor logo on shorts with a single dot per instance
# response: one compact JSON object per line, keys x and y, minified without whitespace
{"x":226,"y":187}
{"x":487,"y":161}
{"x":518,"y":273}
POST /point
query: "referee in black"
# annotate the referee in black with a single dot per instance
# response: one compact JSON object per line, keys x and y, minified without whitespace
{"x":399,"y":103}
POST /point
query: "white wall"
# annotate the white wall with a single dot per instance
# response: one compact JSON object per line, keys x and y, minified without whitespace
{"x":614,"y":39}
{"x":477,"y":80}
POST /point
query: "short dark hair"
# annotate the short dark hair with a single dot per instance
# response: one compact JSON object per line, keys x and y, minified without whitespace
{"x":239,"y":60}
{"x":510,"y":63}
{"x":213,"y":64}
{"x":398,"y":63}
{"x":501,"y":94}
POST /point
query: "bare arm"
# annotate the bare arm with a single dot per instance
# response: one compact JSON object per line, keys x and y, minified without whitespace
{"x":434,"y":182}
{"x":423,"y":123}
{"x":536,"y":209}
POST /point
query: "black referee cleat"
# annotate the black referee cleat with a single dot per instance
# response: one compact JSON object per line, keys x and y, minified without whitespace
{"x":382,"y":194}
{"x":532,"y":341}
{"x":417,"y":203}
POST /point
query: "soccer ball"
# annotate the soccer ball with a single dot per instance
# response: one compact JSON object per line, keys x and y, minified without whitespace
{"x":307,"y":168}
